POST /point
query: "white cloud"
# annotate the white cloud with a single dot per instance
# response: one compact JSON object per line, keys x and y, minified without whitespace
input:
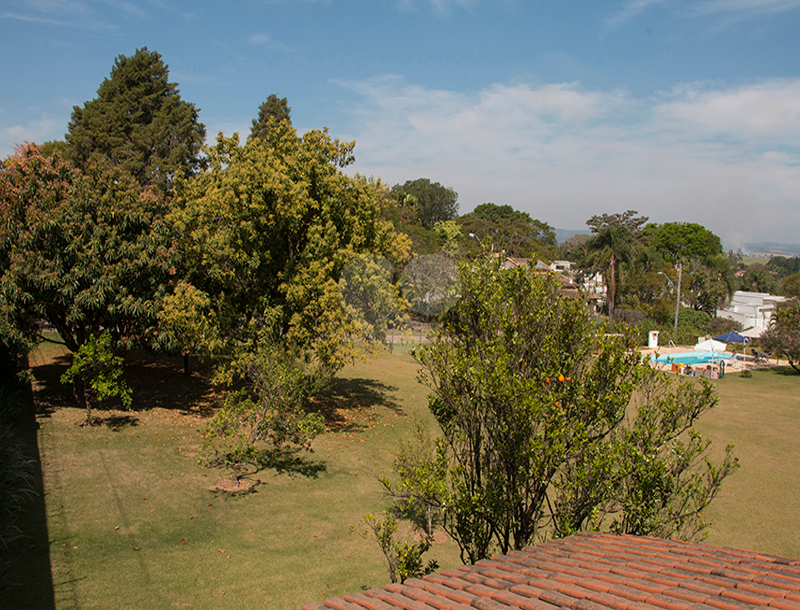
{"x":261,"y":39}
{"x":45,"y":127}
{"x":80,"y":14}
{"x":629,"y":12}
{"x":442,"y":6}
{"x":731,"y":10}
{"x":767,"y":111}
{"x":726,"y":158}
{"x":764,"y":7}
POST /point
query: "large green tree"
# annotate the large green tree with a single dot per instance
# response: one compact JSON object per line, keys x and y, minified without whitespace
{"x":681,"y":241}
{"x":267,"y":231}
{"x":139,"y":122}
{"x":614,"y":241}
{"x":84,"y":250}
{"x":511,"y":231}
{"x":435,"y":203}
{"x":783,"y":335}
{"x":551,"y":426}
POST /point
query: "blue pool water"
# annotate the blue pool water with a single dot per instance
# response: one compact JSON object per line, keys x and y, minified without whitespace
{"x":693,"y":357}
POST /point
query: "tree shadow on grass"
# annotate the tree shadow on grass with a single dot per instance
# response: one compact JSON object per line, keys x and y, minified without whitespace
{"x":48,"y":392}
{"x":348,"y":403}
{"x":291,"y":461}
{"x":118,"y":422}
{"x":156,"y":381}
{"x":784,"y":371}
{"x":159,"y":382}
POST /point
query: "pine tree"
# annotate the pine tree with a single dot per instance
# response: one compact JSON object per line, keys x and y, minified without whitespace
{"x":271,"y":112}
{"x":139,"y":122}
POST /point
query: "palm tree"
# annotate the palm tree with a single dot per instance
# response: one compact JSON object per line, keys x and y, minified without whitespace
{"x":605,"y":251}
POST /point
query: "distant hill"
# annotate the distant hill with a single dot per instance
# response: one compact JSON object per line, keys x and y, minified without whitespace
{"x":769,"y":248}
{"x":563,"y":235}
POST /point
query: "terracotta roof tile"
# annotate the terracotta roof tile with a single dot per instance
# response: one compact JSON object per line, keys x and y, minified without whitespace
{"x":594,"y":571}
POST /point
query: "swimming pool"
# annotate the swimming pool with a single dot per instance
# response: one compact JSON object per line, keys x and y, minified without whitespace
{"x":693,"y":357}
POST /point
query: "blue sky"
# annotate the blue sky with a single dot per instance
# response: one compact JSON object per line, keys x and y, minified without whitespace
{"x":684,"y":111}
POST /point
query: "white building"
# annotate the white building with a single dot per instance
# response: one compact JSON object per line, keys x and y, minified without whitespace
{"x":752,"y":309}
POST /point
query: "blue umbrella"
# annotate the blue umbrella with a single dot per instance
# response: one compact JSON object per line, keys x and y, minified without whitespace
{"x":732,"y":337}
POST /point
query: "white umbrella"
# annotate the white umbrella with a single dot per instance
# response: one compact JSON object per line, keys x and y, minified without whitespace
{"x":710,"y":346}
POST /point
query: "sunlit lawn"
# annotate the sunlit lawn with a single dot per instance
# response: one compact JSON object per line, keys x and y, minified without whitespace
{"x":135,"y":522}
{"x":759,"y":505}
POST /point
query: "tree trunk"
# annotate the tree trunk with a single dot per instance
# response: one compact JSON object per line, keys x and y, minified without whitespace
{"x":81,"y":400}
{"x":186,"y":364}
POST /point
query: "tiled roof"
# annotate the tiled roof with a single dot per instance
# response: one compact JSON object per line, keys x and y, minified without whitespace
{"x":592,"y":571}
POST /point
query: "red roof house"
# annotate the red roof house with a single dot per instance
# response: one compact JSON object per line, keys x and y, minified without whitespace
{"x":594,"y":571}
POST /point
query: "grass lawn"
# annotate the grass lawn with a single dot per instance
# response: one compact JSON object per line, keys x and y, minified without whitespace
{"x":758,"y":507}
{"x":134,"y":522}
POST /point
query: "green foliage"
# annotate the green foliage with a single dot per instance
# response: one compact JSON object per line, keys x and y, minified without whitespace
{"x":661,"y":480}
{"x":759,"y":278}
{"x":684,"y":240}
{"x":790,"y":285}
{"x":694,"y":320}
{"x":98,"y":367}
{"x":632,"y":223}
{"x":403,"y":558}
{"x":139,"y":122}
{"x":403,"y":214}
{"x":419,"y":489}
{"x":783,"y":335}
{"x":532,"y":404}
{"x":708,"y":285}
{"x":511,"y":231}
{"x":271,"y":227}
{"x":606,"y":251}
{"x":267,"y":413}
{"x":434,"y":202}
{"x":784,"y":266}
{"x":371,"y":300}
{"x":450,"y":234}
{"x":84,"y":250}
{"x":272,"y":111}
{"x":186,"y":322}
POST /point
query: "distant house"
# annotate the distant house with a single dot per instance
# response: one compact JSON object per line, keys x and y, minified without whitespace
{"x":752,"y":309}
{"x":562,"y":272}
{"x":594,"y":571}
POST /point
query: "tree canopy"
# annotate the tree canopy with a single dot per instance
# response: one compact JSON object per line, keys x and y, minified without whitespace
{"x":139,"y":122}
{"x":435,"y":203}
{"x":783,"y":335}
{"x":511,"y":231}
{"x":84,"y":250}
{"x":551,"y":427}
{"x":628,"y":219}
{"x":267,"y":231}
{"x":684,"y":241}
{"x":272,"y":111}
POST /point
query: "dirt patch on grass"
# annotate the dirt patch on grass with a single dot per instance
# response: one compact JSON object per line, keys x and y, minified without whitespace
{"x":233,"y":487}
